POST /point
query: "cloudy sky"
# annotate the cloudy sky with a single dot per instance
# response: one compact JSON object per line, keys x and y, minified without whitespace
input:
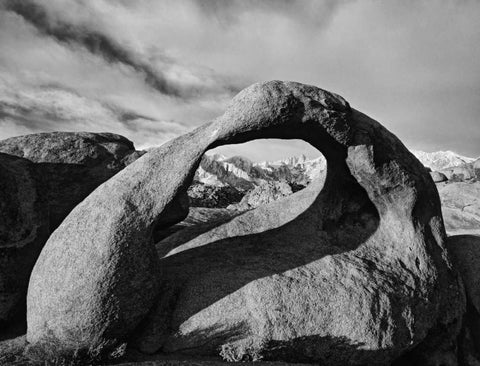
{"x":153,"y":69}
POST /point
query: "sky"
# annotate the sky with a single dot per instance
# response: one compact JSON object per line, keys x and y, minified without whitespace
{"x":152,"y":70}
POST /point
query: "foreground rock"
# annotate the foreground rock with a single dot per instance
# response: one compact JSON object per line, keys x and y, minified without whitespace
{"x":465,"y":250}
{"x":356,"y":272}
{"x":43,"y":176}
{"x":461,"y":207}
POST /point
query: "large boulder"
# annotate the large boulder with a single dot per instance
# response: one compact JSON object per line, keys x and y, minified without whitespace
{"x":465,"y":251}
{"x":72,"y":164}
{"x":351,"y":270}
{"x":461,"y":207}
{"x":24,"y":228}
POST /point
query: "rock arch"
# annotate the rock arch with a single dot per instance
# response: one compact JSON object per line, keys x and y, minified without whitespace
{"x":363,"y":283}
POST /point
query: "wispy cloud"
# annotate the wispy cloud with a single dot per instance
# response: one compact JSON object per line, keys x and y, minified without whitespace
{"x":51,"y":108}
{"x":104,"y":46}
{"x":153,"y":69}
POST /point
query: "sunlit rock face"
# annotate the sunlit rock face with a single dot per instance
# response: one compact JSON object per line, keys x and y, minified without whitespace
{"x":351,"y":270}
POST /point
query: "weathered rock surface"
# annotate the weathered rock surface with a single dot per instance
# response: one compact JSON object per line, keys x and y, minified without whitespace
{"x":264,"y":193}
{"x":438,"y":177}
{"x":24,"y":228}
{"x":465,"y":251}
{"x":461,"y":207}
{"x":72,"y":164}
{"x":356,"y":272}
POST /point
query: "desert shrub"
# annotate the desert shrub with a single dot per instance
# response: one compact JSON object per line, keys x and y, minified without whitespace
{"x":241,"y":352}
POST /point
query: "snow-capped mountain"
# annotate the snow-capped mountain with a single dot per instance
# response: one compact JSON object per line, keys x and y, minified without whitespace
{"x":440,"y":160}
{"x":243,"y":174}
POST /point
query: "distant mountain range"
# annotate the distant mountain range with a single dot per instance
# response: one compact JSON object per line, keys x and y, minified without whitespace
{"x":242,"y":173}
{"x":440,"y":160}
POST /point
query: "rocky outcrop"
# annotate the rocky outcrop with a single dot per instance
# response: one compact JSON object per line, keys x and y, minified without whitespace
{"x":202,"y":195}
{"x":465,"y":251}
{"x":264,"y":193}
{"x":354,"y":272}
{"x":24,"y":228}
{"x":43,"y":177}
{"x":461,"y":207}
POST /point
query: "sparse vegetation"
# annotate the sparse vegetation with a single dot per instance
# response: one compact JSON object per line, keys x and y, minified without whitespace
{"x":241,"y":352}
{"x":52,"y":353}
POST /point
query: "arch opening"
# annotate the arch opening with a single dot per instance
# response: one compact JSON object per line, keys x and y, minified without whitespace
{"x":225,"y":187}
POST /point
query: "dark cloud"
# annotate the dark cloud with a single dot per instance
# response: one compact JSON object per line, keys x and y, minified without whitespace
{"x":94,"y":42}
{"x":101,"y":45}
{"x":129,"y":116}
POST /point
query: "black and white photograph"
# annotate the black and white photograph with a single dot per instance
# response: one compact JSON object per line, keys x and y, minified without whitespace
{"x":251,"y":182}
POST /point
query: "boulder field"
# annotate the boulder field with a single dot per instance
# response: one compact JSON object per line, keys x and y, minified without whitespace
{"x":351,"y":270}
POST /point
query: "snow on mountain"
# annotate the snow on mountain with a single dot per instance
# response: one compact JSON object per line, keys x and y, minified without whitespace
{"x":440,"y":160}
{"x":243,"y":174}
